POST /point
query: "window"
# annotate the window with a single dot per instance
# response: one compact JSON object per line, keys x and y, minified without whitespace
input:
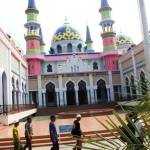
{"x":51,"y":51}
{"x":69,"y":47}
{"x":59,"y":49}
{"x":49,"y":68}
{"x":79,"y":48}
{"x":95,"y":66}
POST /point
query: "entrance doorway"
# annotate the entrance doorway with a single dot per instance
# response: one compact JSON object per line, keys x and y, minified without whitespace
{"x":51,"y":95}
{"x":71,"y":97}
{"x":101,"y":92}
{"x":82,"y":93}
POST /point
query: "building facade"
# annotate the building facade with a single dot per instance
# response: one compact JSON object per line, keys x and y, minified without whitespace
{"x":73,"y":73}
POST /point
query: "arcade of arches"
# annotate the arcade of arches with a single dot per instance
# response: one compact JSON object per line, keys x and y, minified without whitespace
{"x":76,"y":95}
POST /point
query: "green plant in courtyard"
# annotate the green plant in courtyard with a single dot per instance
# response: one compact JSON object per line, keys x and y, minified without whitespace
{"x":117,"y":126}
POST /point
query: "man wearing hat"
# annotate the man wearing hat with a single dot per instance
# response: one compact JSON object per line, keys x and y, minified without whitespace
{"x":77,"y":132}
{"x":16,"y":137}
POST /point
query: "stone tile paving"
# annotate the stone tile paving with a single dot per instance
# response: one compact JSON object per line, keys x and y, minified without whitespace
{"x":40,"y":125}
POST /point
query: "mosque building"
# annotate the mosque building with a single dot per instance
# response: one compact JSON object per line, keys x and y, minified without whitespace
{"x":72,"y":73}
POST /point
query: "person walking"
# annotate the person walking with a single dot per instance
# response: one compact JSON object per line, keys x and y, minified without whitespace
{"x":28,"y":134}
{"x":53,"y":133}
{"x":16,"y":137}
{"x":77,"y":132}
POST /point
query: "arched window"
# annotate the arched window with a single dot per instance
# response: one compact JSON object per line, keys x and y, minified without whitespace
{"x":143,"y":83}
{"x":95,"y":66}
{"x":69,"y":47}
{"x":49,"y":68}
{"x":79,"y":48}
{"x":51,"y":51}
{"x":59,"y":49}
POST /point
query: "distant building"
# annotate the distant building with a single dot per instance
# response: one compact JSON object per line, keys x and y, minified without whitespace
{"x":13,"y":81}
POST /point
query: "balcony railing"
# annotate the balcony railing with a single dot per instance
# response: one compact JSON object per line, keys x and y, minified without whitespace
{"x":12,"y":109}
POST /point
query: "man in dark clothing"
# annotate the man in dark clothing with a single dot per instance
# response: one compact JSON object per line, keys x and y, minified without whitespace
{"x":53,"y":133}
{"x":77,"y":133}
{"x":28,"y":134}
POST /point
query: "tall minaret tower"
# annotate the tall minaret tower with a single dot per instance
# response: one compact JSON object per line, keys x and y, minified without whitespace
{"x":33,"y":29}
{"x":108,"y":34}
{"x":34,"y":40}
{"x":89,"y":42}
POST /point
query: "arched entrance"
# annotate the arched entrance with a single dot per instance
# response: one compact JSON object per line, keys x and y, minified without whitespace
{"x":4,"y":90}
{"x":82,"y":93}
{"x":71,"y":97}
{"x":143,"y":83}
{"x":101,"y":91}
{"x":51,"y":98}
{"x":128,"y":89}
{"x":133,"y":87}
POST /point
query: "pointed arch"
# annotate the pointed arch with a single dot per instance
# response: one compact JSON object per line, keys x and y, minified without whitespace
{"x":59,"y":49}
{"x":70,"y":94}
{"x":69,"y":47}
{"x":101,"y":91}
{"x":82,"y":93}
{"x":51,"y":98}
{"x":133,"y":87}
{"x":143,"y":84}
{"x":128,"y":91}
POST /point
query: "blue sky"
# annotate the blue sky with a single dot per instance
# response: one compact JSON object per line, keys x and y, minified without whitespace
{"x":79,"y":14}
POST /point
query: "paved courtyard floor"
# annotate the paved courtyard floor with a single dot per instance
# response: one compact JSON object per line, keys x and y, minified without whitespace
{"x":40,"y":125}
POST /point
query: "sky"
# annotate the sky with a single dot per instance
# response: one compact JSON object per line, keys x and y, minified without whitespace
{"x":79,"y":13}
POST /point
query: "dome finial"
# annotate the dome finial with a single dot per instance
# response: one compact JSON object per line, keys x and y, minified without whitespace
{"x":66,"y":20}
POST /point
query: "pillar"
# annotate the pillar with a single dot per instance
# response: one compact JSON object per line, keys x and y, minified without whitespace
{"x":77,"y":98}
{"x":61,"y":90}
{"x":122,"y":81}
{"x":145,"y":33}
{"x":108,"y":94}
{"x":57,"y":95}
{"x":91,"y":88}
{"x":65,"y":98}
{"x":111,"y":86}
{"x":88,"y":96}
{"x":39,"y":91}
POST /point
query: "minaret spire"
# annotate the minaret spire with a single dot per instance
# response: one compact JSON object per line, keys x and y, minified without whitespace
{"x":108,"y":34}
{"x":89,"y":42}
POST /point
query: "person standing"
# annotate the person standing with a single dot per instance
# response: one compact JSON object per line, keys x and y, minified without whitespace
{"x":77,"y":132}
{"x":28,"y":134}
{"x":53,"y":133}
{"x":16,"y":137}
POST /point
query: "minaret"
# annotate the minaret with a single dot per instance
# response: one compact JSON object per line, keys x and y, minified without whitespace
{"x":108,"y":34}
{"x":33,"y":39}
{"x":89,"y":42}
{"x":145,"y":33}
{"x":42,"y":44}
{"x":33,"y":27}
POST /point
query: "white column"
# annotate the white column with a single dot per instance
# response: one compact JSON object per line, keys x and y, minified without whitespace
{"x":135,"y":71}
{"x":91,"y":88}
{"x":111,"y":86}
{"x":39,"y":91}
{"x":9,"y":82}
{"x":61,"y":90}
{"x":88,"y":96}
{"x":1,"y":97}
{"x":57,"y":95}
{"x":122,"y":81}
{"x":108,"y":93}
{"x":145,"y":33}
{"x":65,"y":98}
{"x":44,"y":98}
{"x":95,"y":101}
{"x":77,"y":100}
